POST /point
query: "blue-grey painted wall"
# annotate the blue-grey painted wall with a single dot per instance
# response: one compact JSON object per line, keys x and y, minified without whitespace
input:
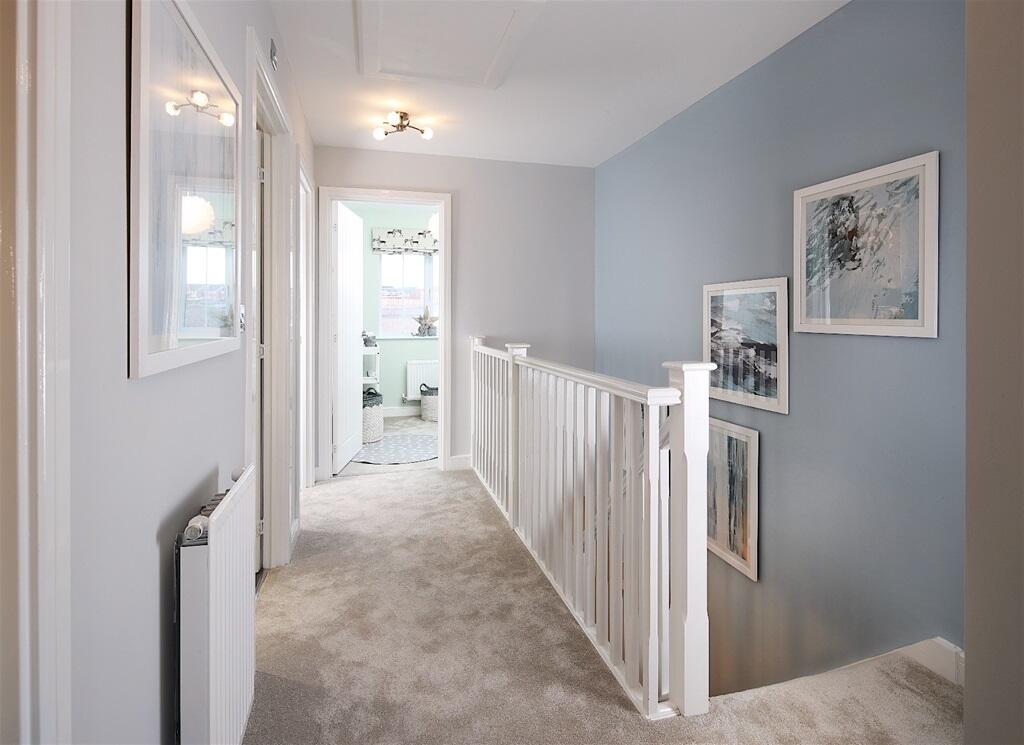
{"x":862,"y":484}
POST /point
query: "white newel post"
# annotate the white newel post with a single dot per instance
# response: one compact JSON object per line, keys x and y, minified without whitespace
{"x":688,"y":612}
{"x":515,"y":350}
{"x":474,"y":403}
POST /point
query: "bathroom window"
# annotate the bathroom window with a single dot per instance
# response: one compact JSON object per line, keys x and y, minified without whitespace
{"x":408,"y":286}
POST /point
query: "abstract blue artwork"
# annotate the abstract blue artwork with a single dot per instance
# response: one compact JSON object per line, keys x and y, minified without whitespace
{"x":745,"y":335}
{"x":866,"y":253}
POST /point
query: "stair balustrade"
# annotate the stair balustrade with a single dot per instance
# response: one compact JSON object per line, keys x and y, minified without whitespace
{"x":605,"y":483}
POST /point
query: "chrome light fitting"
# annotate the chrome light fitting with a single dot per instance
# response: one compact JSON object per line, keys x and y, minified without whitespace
{"x":200,"y":101}
{"x":399,"y":122}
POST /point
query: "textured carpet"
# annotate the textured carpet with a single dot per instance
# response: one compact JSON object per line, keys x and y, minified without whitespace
{"x":411,"y":614}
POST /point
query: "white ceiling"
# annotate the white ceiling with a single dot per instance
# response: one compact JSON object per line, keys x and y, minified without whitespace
{"x":569,"y":82}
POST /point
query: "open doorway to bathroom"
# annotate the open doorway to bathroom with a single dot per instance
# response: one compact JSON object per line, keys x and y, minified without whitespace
{"x":387,"y":296}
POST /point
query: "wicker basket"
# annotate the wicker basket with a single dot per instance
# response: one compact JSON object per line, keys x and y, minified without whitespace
{"x":373,"y":416}
{"x":428,"y":403}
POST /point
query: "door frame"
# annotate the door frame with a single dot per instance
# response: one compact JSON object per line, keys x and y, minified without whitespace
{"x":325,"y":363}
{"x":264,"y":103}
{"x":306,"y":255}
{"x":35,"y":376}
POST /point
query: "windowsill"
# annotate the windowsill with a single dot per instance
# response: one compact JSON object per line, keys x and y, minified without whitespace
{"x":407,"y":338}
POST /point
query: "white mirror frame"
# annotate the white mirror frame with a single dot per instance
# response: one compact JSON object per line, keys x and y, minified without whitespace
{"x":143,"y":360}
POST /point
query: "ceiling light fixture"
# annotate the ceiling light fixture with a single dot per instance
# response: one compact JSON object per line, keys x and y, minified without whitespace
{"x":399,"y":122}
{"x":200,"y":101}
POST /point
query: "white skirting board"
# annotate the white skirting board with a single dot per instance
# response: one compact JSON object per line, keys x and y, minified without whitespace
{"x":395,"y":411}
{"x":939,"y":656}
{"x":459,"y":463}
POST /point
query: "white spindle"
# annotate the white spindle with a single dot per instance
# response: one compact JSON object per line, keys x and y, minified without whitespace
{"x":541,"y":441}
{"x":601,"y":579}
{"x":579,"y":487}
{"x":616,"y":531}
{"x":560,"y":498}
{"x":632,"y":530}
{"x":551,"y":514}
{"x":589,"y":505}
{"x":567,"y":443}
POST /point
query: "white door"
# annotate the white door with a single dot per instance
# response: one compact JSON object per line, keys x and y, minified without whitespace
{"x":348,"y":342}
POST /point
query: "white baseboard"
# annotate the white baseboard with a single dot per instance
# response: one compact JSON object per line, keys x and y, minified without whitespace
{"x":459,"y":463}
{"x":393,"y":411}
{"x":939,"y":656}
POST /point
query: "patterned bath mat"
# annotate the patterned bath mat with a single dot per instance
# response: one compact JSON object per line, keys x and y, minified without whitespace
{"x":399,"y":448}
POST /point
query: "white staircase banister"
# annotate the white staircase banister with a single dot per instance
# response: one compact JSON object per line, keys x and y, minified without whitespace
{"x":579,"y":464}
{"x":644,"y":394}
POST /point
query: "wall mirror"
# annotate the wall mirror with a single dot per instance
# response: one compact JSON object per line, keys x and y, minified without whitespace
{"x":185,"y":193}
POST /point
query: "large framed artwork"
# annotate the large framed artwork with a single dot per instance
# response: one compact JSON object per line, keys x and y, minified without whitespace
{"x":732,"y":495}
{"x":866,"y":252}
{"x":746,"y":334}
{"x":185,"y":193}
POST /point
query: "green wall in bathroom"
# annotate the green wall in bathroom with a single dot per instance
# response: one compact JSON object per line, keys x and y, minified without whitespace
{"x":394,"y":353}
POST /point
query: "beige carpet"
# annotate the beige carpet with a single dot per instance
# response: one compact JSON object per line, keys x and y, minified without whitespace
{"x":411,"y":614}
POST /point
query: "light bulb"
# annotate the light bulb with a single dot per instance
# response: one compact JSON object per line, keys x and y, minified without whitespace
{"x":172,"y":108}
{"x":379,"y":133}
{"x":197,"y":214}
{"x":226,"y":118}
{"x":394,"y":118}
{"x":428,"y":134}
{"x":199,"y":98}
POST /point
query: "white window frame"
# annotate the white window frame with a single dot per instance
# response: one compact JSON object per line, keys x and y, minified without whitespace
{"x":429,"y":292}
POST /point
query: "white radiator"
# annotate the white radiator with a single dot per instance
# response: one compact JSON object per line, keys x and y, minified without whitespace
{"x":417,"y":372}
{"x":217,"y":642}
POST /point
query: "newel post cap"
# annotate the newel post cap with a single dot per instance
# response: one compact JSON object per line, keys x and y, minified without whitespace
{"x":690,"y":366}
{"x":517,"y":348}
{"x":477,"y":341}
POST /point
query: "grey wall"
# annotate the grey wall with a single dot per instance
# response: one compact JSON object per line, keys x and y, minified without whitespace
{"x":9,"y":519}
{"x":522,"y":251}
{"x":145,"y":453}
{"x":862,"y":485}
{"x":993,"y":711}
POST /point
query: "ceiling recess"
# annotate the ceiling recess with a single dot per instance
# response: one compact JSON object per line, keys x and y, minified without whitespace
{"x":471,"y":44}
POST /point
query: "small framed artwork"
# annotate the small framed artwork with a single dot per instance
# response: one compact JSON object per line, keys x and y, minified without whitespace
{"x":185,"y":193}
{"x":746,"y":334}
{"x":866,"y":252}
{"x":732,"y":495}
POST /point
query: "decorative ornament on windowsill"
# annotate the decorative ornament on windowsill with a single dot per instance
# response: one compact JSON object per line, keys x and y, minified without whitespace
{"x":399,"y":122}
{"x":427,"y":322}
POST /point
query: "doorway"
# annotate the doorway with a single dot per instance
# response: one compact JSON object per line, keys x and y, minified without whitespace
{"x":385,"y":259}
{"x":271,"y":431}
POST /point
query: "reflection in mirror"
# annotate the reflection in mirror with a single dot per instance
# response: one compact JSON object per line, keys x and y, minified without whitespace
{"x":207,"y":229}
{"x":186,"y":204}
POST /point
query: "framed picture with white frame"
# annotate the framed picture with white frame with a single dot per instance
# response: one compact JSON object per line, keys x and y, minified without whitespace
{"x":732,"y":495}
{"x":746,"y":335}
{"x":866,"y":252}
{"x":185,"y":201}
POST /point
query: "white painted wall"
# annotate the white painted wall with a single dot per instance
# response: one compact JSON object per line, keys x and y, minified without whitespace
{"x":9,"y":701}
{"x":522,"y":251}
{"x":145,"y":452}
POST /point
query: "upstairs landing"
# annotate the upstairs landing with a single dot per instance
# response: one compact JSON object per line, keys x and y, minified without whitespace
{"x":412,"y":614}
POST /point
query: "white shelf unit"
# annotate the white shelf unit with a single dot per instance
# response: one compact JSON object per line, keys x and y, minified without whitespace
{"x":372,"y":376}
